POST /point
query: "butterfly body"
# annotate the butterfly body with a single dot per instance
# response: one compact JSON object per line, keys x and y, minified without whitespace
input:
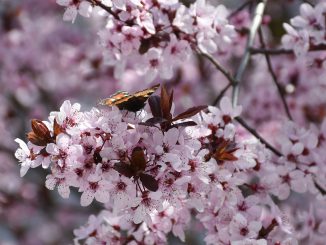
{"x":130,"y":102}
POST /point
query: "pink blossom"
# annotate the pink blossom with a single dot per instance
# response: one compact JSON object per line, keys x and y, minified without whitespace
{"x":73,"y":7}
{"x":94,"y":187}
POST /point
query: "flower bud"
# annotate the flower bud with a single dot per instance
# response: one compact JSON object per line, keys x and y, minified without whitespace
{"x":40,"y":134}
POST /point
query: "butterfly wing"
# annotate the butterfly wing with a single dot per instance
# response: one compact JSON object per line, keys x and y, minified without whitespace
{"x":146,"y":92}
{"x":137,"y":101}
{"x":125,"y":101}
{"x":115,"y":98}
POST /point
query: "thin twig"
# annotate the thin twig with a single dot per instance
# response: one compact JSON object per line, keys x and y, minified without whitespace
{"x":241,"y":7}
{"x":103,"y":6}
{"x":312,"y":48}
{"x":221,"y":94}
{"x":270,"y":147}
{"x":260,"y":138}
{"x":223,"y":71}
{"x":218,"y":67}
{"x":264,"y":232}
{"x":274,"y":77}
{"x":254,"y":51}
{"x":245,"y":58}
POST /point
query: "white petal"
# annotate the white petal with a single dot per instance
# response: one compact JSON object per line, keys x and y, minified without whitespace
{"x":171,"y":136}
{"x":20,"y":155}
{"x":85,"y":9}
{"x":226,"y":105}
{"x":64,"y":190}
{"x":70,"y":14}
{"x":24,"y":168}
{"x":52,"y":149}
{"x":50,"y":182}
{"x":102,"y":196}
{"x":322,"y":228}
{"x":297,"y":148}
{"x":63,"y":141}
{"x":158,"y":138}
{"x":86,"y":198}
{"x":63,"y":2}
{"x":23,"y":145}
{"x":139,"y":214}
{"x":46,"y":162}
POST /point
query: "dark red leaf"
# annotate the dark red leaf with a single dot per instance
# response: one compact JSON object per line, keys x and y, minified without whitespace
{"x":97,"y":157}
{"x":170,"y":101}
{"x":184,"y":124}
{"x":56,"y":128}
{"x":155,"y":120}
{"x":149,"y":182}
{"x":165,"y":103}
{"x":190,"y":112}
{"x":145,"y":44}
{"x":155,"y":105}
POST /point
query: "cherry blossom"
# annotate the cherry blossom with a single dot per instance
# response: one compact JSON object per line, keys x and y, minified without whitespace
{"x":250,"y":170}
{"x":73,"y":7}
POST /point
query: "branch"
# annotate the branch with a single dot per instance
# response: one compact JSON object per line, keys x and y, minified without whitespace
{"x":270,"y":147}
{"x":312,"y":48}
{"x":264,"y":232}
{"x":254,"y":51}
{"x":322,"y":191}
{"x":241,"y":7}
{"x":276,"y":82}
{"x":221,"y":94}
{"x":103,"y":6}
{"x":245,"y":58}
{"x":227,"y":74}
{"x":260,"y":138}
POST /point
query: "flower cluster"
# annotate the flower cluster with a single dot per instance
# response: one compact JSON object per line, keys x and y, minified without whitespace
{"x":306,"y":31}
{"x":152,"y":173}
{"x":154,"y":37}
{"x":150,"y":170}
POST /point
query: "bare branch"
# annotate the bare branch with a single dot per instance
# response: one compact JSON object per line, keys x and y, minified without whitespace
{"x":221,"y":94}
{"x":254,"y":51}
{"x":260,"y":138}
{"x":271,"y":71}
{"x":227,"y":74}
{"x":241,"y":7}
{"x":218,"y":67}
{"x":103,"y":6}
{"x":312,"y":48}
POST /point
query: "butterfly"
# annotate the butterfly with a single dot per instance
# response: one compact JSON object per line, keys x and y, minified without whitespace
{"x":130,"y":102}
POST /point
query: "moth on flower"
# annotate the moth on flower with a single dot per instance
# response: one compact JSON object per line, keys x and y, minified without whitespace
{"x":130,"y":102}
{"x":136,"y":168}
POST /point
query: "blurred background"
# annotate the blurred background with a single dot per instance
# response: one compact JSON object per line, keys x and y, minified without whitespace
{"x":44,"y":61}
